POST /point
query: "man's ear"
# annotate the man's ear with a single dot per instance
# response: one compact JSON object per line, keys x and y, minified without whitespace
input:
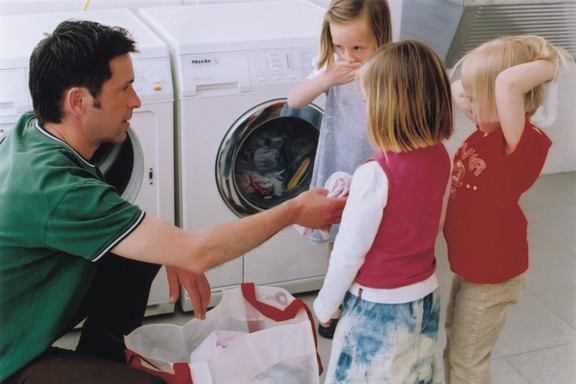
{"x":75,"y":100}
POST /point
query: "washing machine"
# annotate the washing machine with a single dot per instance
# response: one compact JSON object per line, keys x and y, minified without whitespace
{"x":234,"y":65}
{"x":142,"y":169}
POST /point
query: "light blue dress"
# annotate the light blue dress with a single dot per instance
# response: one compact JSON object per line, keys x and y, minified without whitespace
{"x":343,"y":143}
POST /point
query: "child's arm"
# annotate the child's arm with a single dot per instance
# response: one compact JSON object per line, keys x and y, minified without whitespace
{"x":336,"y":73}
{"x":511,"y":85}
{"x":305,"y":92}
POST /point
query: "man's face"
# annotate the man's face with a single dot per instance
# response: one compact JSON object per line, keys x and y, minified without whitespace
{"x":109,"y":115}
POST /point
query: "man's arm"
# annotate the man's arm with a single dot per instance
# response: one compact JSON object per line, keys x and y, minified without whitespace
{"x":160,"y":242}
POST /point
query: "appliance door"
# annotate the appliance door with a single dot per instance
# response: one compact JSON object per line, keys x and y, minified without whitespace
{"x":267,"y":156}
{"x":122,"y":165}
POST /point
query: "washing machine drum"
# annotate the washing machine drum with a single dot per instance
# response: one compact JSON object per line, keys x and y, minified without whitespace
{"x":267,"y":156}
{"x":122,"y":165}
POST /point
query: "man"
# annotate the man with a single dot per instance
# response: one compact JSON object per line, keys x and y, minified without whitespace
{"x":70,"y":246}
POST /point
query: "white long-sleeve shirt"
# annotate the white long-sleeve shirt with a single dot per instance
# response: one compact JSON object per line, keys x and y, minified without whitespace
{"x":360,"y":222}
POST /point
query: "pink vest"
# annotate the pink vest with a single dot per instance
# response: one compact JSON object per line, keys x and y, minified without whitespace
{"x":403,"y":250}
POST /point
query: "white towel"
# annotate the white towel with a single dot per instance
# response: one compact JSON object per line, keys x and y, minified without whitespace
{"x":338,"y":185}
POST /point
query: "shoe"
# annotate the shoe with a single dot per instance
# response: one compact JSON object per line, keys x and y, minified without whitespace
{"x":328,"y":332}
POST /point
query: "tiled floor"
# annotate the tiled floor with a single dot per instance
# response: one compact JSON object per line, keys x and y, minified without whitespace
{"x":538,"y":344}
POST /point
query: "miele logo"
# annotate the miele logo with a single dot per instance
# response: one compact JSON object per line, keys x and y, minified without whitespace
{"x":201,"y":61}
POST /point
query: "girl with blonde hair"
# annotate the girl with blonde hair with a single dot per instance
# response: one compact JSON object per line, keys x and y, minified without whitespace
{"x":501,"y":86}
{"x":352,"y":30}
{"x":383,"y":264}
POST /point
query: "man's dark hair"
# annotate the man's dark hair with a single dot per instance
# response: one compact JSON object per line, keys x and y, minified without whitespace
{"x":76,"y":54}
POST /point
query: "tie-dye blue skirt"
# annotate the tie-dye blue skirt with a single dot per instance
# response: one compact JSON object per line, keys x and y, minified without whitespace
{"x":385,"y":343}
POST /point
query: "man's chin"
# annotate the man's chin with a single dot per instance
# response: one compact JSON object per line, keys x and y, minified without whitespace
{"x":121,"y":138}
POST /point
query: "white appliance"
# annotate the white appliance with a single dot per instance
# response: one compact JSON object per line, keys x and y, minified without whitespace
{"x":233,"y":65}
{"x":42,"y":6}
{"x":149,"y":181}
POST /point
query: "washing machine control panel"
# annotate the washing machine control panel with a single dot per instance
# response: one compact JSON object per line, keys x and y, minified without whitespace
{"x":280,"y":68}
{"x":153,"y":79}
{"x":231,"y":73}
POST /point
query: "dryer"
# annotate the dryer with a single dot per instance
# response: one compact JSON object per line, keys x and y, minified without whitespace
{"x":142,"y":168}
{"x":233,"y":66}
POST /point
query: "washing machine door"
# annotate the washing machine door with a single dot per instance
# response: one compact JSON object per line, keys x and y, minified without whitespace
{"x":122,"y":165}
{"x":267,"y":156}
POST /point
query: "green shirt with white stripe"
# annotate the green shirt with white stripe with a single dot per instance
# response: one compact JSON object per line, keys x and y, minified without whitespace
{"x":58,"y":216}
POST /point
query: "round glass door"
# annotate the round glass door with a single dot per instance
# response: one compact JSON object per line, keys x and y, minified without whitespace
{"x":267,"y":156}
{"x":122,"y":165}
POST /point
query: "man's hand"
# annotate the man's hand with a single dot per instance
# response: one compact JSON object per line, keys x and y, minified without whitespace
{"x":318,"y":211}
{"x":196,"y":285}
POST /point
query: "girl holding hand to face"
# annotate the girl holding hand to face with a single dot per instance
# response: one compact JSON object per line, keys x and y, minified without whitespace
{"x":352,"y":30}
{"x":383,"y":264}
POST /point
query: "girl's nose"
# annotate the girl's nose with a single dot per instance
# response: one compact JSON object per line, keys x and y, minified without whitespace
{"x":469,"y":107}
{"x":349,"y":56}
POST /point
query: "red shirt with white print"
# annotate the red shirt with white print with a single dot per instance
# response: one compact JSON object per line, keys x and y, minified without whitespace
{"x":485,"y":228}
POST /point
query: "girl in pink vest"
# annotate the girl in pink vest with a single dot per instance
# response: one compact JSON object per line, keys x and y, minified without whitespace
{"x":383,"y":265}
{"x":500,"y":88}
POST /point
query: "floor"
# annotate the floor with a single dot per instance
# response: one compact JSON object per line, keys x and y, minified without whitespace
{"x":538,"y":344}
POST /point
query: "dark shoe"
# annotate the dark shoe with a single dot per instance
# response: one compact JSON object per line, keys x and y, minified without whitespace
{"x":328,"y":332}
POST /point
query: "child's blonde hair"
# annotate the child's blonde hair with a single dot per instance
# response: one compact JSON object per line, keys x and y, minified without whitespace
{"x":375,"y":12}
{"x":409,"y":97}
{"x":483,"y":64}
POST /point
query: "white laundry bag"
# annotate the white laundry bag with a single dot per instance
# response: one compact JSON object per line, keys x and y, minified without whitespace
{"x":255,"y":335}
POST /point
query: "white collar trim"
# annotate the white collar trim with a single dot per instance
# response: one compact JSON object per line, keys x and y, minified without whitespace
{"x":51,"y":136}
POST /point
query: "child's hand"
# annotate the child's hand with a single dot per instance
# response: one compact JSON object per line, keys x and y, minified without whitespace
{"x":341,"y":71}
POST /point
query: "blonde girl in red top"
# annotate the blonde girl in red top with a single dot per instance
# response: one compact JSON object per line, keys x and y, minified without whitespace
{"x":501,"y":86}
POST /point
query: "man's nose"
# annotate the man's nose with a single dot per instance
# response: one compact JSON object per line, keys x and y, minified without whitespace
{"x":136,"y":102}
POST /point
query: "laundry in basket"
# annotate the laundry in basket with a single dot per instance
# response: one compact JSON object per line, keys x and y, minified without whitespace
{"x":254,"y":335}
